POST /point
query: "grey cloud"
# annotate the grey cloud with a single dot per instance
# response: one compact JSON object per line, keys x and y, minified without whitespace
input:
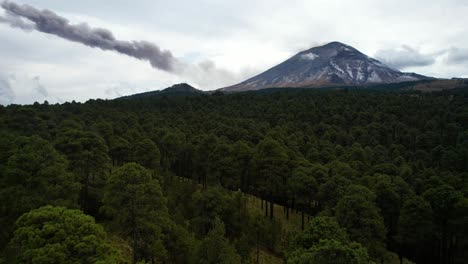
{"x":29,"y":18}
{"x":39,"y":87}
{"x":403,"y":57}
{"x":16,"y":22}
{"x":49,"y":22}
{"x":457,"y":55}
{"x":6,"y":93}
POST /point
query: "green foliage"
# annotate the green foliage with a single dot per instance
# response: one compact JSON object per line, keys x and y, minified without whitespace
{"x":388,"y":200}
{"x":321,"y":227}
{"x":415,"y":222}
{"x":179,"y":243}
{"x":207,"y":206}
{"x":270,"y":163}
{"x":34,"y":174}
{"x":444,"y":200}
{"x":147,"y":154}
{"x":303,"y":183}
{"x":447,"y":204}
{"x":215,"y":248}
{"x":119,"y":150}
{"x":324,"y":241}
{"x":357,"y":155}
{"x":331,"y":252}
{"x":170,"y":144}
{"x":358,"y":213}
{"x":89,"y":160}
{"x":137,"y":206}
{"x":331,"y":191}
{"x":415,"y":228}
{"x":59,"y":235}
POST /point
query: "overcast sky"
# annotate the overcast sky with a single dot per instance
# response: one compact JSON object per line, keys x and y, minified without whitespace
{"x":220,"y":43}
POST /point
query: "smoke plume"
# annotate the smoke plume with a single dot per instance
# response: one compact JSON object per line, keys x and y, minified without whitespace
{"x":29,"y":18}
{"x":16,"y":22}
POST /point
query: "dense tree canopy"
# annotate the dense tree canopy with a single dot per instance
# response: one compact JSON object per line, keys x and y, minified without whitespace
{"x":33,"y":174}
{"x":324,"y":241}
{"x":331,"y":252}
{"x":368,"y":174}
{"x":59,"y":235}
{"x":137,"y":205}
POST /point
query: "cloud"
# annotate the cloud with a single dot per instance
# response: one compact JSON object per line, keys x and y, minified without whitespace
{"x":404,"y":57}
{"x":207,"y":74}
{"x":120,"y":89}
{"x":39,"y":87}
{"x":49,"y":22}
{"x":28,"y":18}
{"x":457,"y":55}
{"x":16,"y":22}
{"x":234,"y":35}
{"x":6,"y":92}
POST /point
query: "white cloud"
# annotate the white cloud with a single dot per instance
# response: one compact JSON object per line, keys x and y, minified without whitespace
{"x":239,"y":38}
{"x":7,"y":95}
{"x":309,"y":56}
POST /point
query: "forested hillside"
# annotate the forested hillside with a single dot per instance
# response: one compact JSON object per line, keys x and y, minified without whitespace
{"x":372,"y":175}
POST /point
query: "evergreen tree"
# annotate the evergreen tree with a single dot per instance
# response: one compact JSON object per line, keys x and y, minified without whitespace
{"x":59,"y":235}
{"x":138,"y":209}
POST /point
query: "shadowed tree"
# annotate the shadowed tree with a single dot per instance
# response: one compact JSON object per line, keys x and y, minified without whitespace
{"x":215,"y":248}
{"x":147,"y":154}
{"x":357,"y":212}
{"x":303,"y":186}
{"x":87,"y":153}
{"x":137,"y":206}
{"x":415,"y":228}
{"x":119,"y":150}
{"x":444,"y":200}
{"x":270,"y":165}
{"x":34,"y":175}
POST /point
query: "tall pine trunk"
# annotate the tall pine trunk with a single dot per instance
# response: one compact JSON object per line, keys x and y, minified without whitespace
{"x":271,"y":209}
{"x":302,"y":219}
{"x":134,"y":233}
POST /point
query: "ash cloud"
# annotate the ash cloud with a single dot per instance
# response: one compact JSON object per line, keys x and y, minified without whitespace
{"x":16,"y":22}
{"x":29,"y":18}
{"x":404,"y":57}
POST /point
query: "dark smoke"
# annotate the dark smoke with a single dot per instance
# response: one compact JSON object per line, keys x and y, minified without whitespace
{"x":48,"y":22}
{"x":16,"y":22}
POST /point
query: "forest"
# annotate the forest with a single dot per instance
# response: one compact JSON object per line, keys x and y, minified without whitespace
{"x":290,"y":176}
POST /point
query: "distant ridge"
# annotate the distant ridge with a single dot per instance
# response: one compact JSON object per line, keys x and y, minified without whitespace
{"x":333,"y":64}
{"x":182,"y":89}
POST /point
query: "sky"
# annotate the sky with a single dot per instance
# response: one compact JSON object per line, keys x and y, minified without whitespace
{"x":145,"y":45}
